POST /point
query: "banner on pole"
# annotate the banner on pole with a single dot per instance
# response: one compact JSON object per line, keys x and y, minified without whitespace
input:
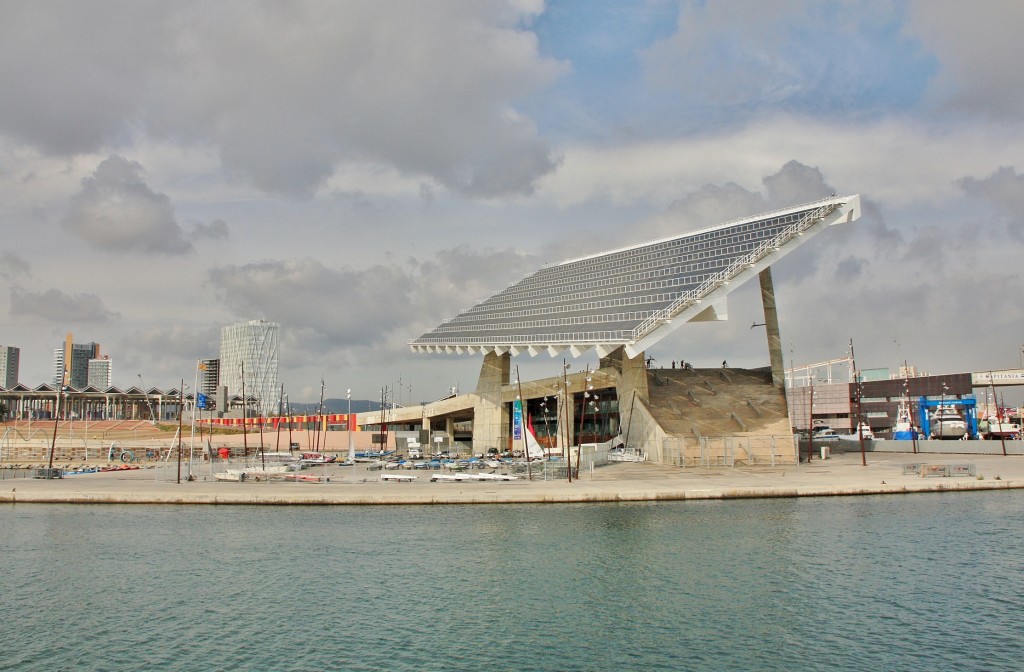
{"x":517,"y":420}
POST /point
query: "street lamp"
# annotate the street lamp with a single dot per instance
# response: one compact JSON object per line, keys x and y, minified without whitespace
{"x":564,"y":418}
{"x":348,"y":426}
{"x":939,"y":411}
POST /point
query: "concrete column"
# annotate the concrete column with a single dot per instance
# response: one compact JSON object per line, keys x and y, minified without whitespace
{"x":490,"y":417}
{"x":632,"y":380}
{"x":449,"y":428}
{"x":771,"y":320}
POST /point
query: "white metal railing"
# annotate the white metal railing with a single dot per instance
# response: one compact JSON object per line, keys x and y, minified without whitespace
{"x":724,"y":451}
{"x":752,"y":257}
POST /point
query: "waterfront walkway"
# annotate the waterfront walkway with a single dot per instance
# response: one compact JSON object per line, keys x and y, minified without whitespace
{"x":841,"y":475}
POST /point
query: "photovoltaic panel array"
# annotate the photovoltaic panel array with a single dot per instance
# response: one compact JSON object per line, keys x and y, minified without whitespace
{"x":621,"y":296}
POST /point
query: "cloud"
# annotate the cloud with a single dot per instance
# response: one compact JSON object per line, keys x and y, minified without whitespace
{"x":1003,"y":192}
{"x":215,"y":230}
{"x":972,"y":42}
{"x":931,"y":160}
{"x":728,"y":63}
{"x":341,"y":304}
{"x":77,"y":73}
{"x":117,"y":211}
{"x":13,"y":268}
{"x":793,"y":184}
{"x":288,"y":93}
{"x":55,"y":306}
{"x":333,"y":312}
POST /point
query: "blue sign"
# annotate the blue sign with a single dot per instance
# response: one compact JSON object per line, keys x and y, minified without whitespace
{"x":201,"y":400}
{"x":517,"y":420}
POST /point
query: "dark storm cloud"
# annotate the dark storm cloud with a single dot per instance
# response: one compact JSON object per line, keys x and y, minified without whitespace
{"x":117,"y":211}
{"x":55,"y":306}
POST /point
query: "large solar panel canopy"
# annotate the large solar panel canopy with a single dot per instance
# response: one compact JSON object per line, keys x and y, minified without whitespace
{"x":634,"y":296}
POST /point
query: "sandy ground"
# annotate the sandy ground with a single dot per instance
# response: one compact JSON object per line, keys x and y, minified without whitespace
{"x":842,"y":474}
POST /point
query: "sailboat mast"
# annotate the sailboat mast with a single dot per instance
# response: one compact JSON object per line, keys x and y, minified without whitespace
{"x":910,"y":413}
{"x":522,"y":424}
{"x":245,"y":436}
{"x":280,"y":412}
{"x":288,"y":408}
{"x":320,"y":417}
{"x":383,"y":424}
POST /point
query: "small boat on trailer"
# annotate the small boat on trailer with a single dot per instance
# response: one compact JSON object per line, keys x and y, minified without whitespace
{"x":460,"y":477}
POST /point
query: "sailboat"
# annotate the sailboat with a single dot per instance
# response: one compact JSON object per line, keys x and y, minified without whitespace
{"x":534,"y":451}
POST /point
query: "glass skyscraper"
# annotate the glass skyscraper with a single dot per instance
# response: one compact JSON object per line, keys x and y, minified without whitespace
{"x":251,"y":347}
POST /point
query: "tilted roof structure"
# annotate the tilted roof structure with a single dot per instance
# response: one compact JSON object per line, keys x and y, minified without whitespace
{"x":634,"y":296}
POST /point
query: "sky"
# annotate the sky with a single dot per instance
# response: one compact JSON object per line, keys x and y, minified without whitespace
{"x":359,"y":171}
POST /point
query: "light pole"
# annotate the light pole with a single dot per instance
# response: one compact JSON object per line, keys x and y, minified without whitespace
{"x":348,"y":426}
{"x":587,"y":387}
{"x":939,"y":411}
{"x":565,"y":419}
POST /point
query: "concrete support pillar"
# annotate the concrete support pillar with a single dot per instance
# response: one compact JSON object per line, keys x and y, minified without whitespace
{"x":771,"y":320}
{"x":449,"y":428}
{"x":425,"y":439}
{"x":490,"y":417}
{"x":632,"y":381}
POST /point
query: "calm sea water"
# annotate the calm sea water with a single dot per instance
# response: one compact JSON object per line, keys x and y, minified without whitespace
{"x":918,"y":582}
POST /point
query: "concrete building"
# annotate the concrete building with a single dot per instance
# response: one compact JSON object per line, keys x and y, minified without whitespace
{"x":71,"y":362}
{"x":10,"y":357}
{"x":248,"y":363}
{"x":100,"y":373}
{"x":209,"y":376}
{"x":58,"y":367}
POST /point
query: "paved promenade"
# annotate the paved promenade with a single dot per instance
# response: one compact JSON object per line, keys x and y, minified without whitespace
{"x":841,"y":475}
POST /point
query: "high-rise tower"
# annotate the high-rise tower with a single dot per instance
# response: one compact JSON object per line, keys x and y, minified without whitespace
{"x":9,"y":362}
{"x":71,"y":362}
{"x":252,"y":347}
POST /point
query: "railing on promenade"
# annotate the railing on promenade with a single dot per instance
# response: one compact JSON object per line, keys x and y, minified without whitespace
{"x":727,"y":451}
